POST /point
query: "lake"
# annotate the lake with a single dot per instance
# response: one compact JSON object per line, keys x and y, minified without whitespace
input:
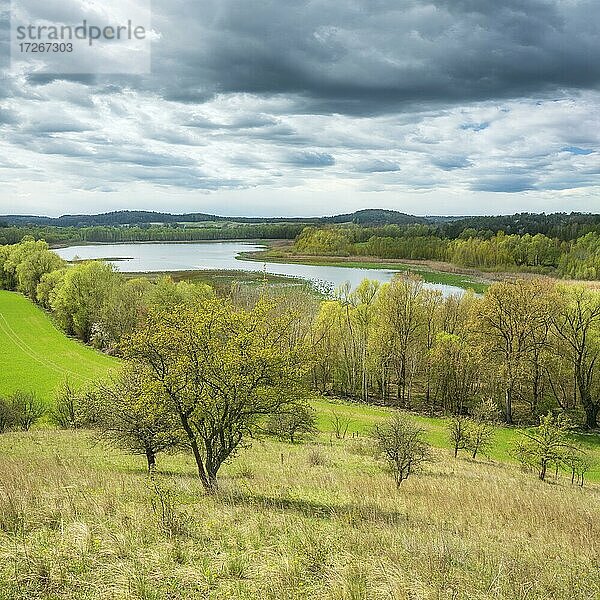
{"x":201,"y":256}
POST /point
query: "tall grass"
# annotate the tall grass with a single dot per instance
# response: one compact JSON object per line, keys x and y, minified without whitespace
{"x":77,"y":521}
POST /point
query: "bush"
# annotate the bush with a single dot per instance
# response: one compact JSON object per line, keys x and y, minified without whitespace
{"x":27,"y":409}
{"x":66,"y":411}
{"x":298,"y":421}
{"x":400,"y":443}
{"x":7,"y":415}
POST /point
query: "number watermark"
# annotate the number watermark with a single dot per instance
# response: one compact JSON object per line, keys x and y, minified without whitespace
{"x":74,"y":37}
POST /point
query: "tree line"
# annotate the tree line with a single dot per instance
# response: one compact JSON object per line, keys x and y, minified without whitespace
{"x":172,"y":232}
{"x":529,"y":345}
{"x":579,"y":259}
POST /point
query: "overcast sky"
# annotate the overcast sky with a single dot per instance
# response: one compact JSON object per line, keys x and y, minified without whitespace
{"x":291,"y":107}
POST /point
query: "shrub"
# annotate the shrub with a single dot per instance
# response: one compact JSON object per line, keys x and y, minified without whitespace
{"x":66,"y":411}
{"x":400,"y":443}
{"x":27,"y":409}
{"x":298,"y":421}
{"x":7,"y":415}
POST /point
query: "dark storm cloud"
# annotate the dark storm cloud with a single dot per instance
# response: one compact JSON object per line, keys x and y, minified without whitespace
{"x":368,"y":56}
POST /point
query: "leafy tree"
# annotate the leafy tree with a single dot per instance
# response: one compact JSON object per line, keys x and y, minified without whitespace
{"x":47,"y":287}
{"x":80,"y":300}
{"x":221,"y":371}
{"x":400,"y":442}
{"x":577,"y":325}
{"x":455,"y":371}
{"x":32,"y":268}
{"x":402,"y":329}
{"x":129,"y":417}
{"x":516,"y":318}
{"x":548,"y":444}
{"x":298,"y":421}
{"x":324,"y":241}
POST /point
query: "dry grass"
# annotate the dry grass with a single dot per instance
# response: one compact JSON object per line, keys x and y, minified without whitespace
{"x":79,"y":522}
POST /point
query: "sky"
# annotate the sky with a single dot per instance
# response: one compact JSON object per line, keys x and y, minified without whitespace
{"x":318,"y":107}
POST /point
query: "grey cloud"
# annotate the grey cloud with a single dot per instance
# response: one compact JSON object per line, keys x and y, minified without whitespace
{"x":378,"y":166}
{"x":311,"y":159}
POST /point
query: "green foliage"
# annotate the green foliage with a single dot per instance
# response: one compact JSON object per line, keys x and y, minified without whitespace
{"x":221,"y":371}
{"x":8,"y":418}
{"x":128,"y":415}
{"x":470,"y":248}
{"x":326,"y":241}
{"x":546,"y":445}
{"x":27,"y":409}
{"x":298,"y":422}
{"x":80,"y":300}
{"x":583,"y":259}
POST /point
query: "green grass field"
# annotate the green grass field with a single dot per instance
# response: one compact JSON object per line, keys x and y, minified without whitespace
{"x":36,"y":356}
{"x":319,"y":520}
{"x":362,"y":418}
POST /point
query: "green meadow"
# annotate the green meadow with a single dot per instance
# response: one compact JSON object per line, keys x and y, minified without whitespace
{"x":36,"y":356}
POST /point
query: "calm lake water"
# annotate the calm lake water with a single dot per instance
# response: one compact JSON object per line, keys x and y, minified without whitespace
{"x":156,"y":257}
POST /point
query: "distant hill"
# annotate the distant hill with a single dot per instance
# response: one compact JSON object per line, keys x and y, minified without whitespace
{"x":565,"y":226}
{"x":374,"y":217}
{"x":371,"y":217}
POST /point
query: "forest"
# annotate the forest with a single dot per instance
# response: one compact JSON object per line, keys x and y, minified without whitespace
{"x":577,"y":259}
{"x":564,"y":245}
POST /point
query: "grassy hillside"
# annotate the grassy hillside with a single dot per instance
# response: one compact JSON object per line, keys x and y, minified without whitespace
{"x":362,"y":418}
{"x":36,"y":356}
{"x":319,"y":520}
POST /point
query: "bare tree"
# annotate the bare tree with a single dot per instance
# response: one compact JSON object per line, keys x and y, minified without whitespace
{"x":400,"y":443}
{"x":458,"y":430}
{"x":482,"y":428}
{"x":340,"y":424}
{"x":27,"y":409}
{"x":65,"y":412}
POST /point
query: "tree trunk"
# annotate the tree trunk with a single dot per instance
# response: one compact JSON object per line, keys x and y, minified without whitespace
{"x":196,"y":452}
{"x":151,"y":458}
{"x":508,"y":406}
{"x":591,"y":415}
{"x":543,"y":470}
